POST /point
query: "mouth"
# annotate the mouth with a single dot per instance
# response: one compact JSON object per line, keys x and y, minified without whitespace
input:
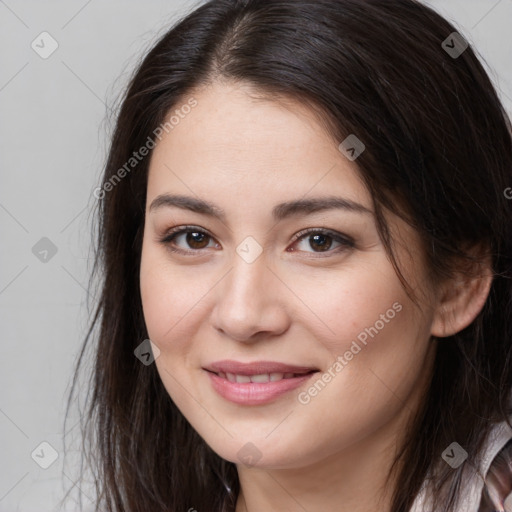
{"x":256,"y":383}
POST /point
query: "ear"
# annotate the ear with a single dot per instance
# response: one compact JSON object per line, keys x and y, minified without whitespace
{"x":460,"y":299}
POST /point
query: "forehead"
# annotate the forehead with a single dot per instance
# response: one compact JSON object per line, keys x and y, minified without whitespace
{"x":233,"y":142}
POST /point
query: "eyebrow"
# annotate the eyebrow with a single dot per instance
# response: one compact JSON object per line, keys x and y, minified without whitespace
{"x":279,"y":212}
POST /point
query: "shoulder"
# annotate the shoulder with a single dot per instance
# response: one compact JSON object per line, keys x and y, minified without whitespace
{"x":495,"y":461}
{"x":497,"y":471}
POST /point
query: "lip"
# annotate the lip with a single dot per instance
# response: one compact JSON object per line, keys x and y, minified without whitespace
{"x":256,"y":393}
{"x":256,"y":367}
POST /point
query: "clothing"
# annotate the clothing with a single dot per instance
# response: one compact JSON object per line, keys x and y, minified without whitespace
{"x":473,"y":486}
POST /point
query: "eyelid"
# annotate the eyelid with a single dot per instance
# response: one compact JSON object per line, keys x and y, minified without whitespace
{"x":345,"y":241}
{"x":172,"y":233}
{"x":339,"y":237}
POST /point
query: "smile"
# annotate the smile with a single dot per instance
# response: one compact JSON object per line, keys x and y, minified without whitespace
{"x":256,"y":383}
{"x":262,"y":377}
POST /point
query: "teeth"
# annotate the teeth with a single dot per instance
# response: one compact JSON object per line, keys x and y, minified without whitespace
{"x":261,"y":378}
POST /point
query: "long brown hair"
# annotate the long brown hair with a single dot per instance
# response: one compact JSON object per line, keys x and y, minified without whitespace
{"x":438,"y":153}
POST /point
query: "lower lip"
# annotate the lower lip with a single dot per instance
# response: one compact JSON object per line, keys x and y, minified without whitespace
{"x":255,"y":393}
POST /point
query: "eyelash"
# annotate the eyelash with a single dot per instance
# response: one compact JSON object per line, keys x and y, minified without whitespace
{"x":346,"y":242}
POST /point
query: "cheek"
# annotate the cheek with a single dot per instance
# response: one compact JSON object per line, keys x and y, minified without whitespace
{"x":171,"y":296}
{"x":367,"y":384}
{"x":377,"y":342}
{"x":170,"y":300}
{"x":362,"y":303}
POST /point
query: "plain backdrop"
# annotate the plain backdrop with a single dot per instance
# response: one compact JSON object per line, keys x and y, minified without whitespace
{"x":53,"y":140}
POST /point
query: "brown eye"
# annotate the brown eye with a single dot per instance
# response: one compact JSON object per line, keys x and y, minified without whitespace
{"x":187,"y":240}
{"x":320,"y":240}
{"x":195,"y":239}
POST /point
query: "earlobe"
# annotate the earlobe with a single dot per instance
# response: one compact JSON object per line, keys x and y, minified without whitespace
{"x":460,"y":301}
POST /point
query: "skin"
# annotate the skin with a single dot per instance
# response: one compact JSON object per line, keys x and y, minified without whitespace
{"x":303,"y":306}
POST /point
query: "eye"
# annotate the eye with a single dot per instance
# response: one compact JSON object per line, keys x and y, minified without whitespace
{"x":321,"y":240}
{"x":195,"y":237}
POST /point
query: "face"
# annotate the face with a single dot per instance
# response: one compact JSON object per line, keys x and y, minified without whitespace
{"x":308,"y":287}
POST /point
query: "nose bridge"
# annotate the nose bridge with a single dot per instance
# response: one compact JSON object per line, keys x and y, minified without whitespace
{"x":248,"y":281}
{"x":248,"y":299}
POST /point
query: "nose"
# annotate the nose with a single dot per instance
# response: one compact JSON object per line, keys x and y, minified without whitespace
{"x":250,"y":302}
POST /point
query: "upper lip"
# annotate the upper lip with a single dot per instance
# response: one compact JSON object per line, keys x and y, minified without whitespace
{"x":256,"y":367}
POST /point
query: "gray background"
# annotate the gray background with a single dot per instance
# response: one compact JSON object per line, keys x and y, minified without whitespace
{"x":53,"y":140}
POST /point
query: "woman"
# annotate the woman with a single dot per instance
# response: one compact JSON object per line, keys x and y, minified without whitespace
{"x":304,"y":210}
